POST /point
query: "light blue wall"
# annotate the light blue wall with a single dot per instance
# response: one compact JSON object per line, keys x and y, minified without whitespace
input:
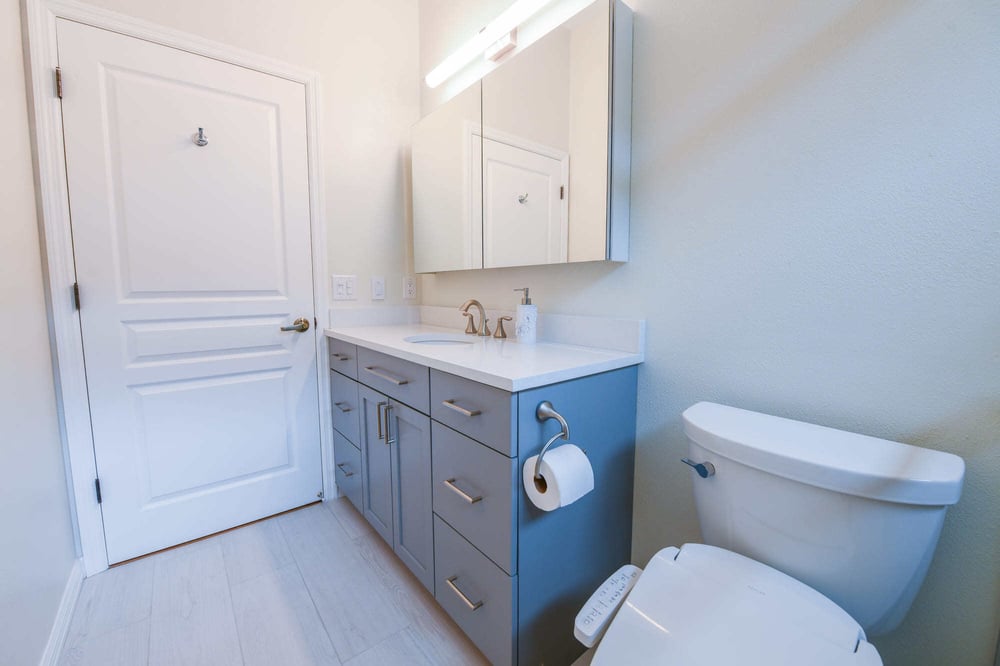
{"x":815,"y":234}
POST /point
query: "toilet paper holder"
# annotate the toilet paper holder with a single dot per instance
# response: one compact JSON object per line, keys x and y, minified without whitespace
{"x":544,"y":412}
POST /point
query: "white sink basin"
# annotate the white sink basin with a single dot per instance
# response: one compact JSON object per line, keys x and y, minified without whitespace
{"x":439,"y":339}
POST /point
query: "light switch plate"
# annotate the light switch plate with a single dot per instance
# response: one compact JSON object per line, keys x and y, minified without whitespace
{"x":409,"y":287}
{"x":344,"y":287}
{"x":378,"y":288}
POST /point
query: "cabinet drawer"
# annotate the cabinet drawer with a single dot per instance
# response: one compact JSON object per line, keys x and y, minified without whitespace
{"x":347,"y":459}
{"x":346,"y":411}
{"x":475,"y":492}
{"x":399,"y":379}
{"x":343,"y":357}
{"x":476,"y":593}
{"x":484,"y":413}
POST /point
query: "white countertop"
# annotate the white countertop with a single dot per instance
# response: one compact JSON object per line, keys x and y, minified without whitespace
{"x":505,"y":364}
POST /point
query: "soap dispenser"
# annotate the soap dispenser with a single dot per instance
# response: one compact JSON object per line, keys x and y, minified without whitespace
{"x":526,"y":324}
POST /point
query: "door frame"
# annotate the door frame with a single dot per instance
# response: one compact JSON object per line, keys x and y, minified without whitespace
{"x":66,"y":341}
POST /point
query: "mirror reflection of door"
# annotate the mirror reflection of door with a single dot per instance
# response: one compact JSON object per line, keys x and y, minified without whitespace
{"x":514,"y":171}
{"x":523,"y":203}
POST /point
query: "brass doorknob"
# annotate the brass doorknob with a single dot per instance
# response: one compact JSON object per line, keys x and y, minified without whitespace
{"x":300,"y":325}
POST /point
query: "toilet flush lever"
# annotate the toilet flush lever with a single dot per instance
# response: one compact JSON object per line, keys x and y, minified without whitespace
{"x":705,"y":469}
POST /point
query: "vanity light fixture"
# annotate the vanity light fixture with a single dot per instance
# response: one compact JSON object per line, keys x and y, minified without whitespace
{"x":497,"y":29}
{"x":502,"y":46}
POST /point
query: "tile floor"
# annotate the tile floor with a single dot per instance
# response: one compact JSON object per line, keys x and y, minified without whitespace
{"x":314,"y":586}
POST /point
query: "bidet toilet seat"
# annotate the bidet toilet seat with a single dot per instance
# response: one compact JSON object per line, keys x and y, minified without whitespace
{"x":699,"y":605}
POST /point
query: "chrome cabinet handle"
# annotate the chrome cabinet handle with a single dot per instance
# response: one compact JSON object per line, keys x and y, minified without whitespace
{"x":389,"y":439}
{"x":300,"y":325}
{"x":705,"y":469}
{"x":387,"y":377}
{"x":340,"y":406}
{"x":450,"y":404}
{"x":340,"y":357}
{"x":461,"y":595}
{"x":341,"y":467}
{"x":450,"y":483}
{"x":378,"y":418}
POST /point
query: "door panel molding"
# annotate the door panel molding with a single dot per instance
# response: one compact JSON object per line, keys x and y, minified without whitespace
{"x":39,"y":18}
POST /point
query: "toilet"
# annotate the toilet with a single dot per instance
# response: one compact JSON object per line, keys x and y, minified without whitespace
{"x":815,"y":539}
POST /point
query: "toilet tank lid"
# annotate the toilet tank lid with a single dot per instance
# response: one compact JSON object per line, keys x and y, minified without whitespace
{"x":827,"y":458}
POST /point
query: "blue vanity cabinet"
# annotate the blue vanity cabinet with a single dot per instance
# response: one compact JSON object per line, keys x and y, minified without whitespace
{"x":564,"y":555}
{"x":382,"y":449}
{"x":409,"y":434}
{"x":396,"y":465}
{"x":345,"y":416}
{"x":441,"y":459}
{"x":513,"y":576}
{"x":376,"y":463}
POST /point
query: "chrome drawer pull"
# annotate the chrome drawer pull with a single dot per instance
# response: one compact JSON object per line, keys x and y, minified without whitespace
{"x":450,"y":404}
{"x":461,"y":595}
{"x":340,"y":406}
{"x":341,"y":467}
{"x":378,"y":419}
{"x":340,"y":357}
{"x":461,"y":493}
{"x":389,"y":439}
{"x":387,"y":377}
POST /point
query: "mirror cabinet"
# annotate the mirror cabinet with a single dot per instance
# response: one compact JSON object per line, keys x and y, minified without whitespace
{"x":530,"y":165}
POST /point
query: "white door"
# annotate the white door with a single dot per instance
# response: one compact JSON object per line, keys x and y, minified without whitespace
{"x":190,"y":259}
{"x":524,"y":212}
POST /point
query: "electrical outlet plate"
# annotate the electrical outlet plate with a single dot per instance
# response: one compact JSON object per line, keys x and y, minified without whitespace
{"x":409,"y":287}
{"x":378,"y":288}
{"x":344,"y":287}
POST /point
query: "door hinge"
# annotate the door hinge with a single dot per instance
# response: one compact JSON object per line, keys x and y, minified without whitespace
{"x":59,"y":91}
{"x":76,"y":295}
{"x":562,"y":191}
{"x":97,"y":489}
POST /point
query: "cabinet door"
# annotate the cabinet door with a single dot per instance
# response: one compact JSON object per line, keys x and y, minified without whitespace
{"x":413,"y":537}
{"x":376,"y":462}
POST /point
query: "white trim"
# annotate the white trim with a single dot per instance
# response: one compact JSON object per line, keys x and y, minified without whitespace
{"x":64,"y":615}
{"x":67,"y":345}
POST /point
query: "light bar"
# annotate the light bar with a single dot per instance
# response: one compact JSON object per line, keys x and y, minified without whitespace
{"x":515,"y":15}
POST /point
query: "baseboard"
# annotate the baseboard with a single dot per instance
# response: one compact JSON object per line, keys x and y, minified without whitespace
{"x":60,"y":627}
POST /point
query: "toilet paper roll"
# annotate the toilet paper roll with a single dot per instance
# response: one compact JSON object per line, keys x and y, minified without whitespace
{"x":566,"y":477}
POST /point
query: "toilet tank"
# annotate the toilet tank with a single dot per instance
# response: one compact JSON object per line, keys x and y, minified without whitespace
{"x":855,"y":517}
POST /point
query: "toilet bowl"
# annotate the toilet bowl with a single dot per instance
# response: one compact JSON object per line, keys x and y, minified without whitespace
{"x":816,"y":540}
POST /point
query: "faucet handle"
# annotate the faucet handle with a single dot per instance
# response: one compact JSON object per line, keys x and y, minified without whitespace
{"x":470,"y":326}
{"x":485,"y":330}
{"x":500,"y":333}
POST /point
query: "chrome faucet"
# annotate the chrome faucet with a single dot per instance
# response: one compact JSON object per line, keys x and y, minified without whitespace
{"x":483,"y":330}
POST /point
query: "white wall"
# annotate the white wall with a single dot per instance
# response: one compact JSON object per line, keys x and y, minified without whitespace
{"x":365,"y":53}
{"x":36,"y":537}
{"x":815,"y":234}
{"x":366,"y":56}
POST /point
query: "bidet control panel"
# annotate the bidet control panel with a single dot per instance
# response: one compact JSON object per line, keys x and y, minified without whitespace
{"x":595,"y":616}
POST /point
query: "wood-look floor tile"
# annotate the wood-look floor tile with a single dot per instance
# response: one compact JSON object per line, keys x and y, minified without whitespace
{"x":192,"y":619}
{"x":122,"y":646}
{"x":111,"y":600}
{"x":278,"y":623}
{"x":357,"y":608}
{"x":400,"y":648}
{"x":309,"y":587}
{"x":439,"y":638}
{"x":350,"y":518}
{"x":253,"y":550}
